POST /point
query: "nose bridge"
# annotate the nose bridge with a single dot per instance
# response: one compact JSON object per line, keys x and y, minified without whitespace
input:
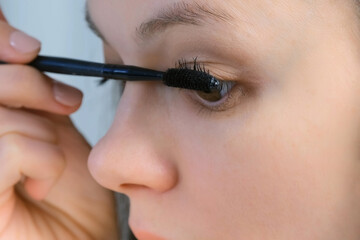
{"x":139,"y":111}
{"x":133,"y":152}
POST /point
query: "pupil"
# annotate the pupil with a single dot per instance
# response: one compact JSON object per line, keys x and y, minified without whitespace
{"x":210,"y":97}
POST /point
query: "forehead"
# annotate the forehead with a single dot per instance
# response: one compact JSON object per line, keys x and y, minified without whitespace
{"x":128,"y":15}
{"x":119,"y":21}
{"x":135,"y":9}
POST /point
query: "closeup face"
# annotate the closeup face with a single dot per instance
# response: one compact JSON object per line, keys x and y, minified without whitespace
{"x":275,"y":157}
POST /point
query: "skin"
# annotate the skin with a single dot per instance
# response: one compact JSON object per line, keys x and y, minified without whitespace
{"x":280,"y":162}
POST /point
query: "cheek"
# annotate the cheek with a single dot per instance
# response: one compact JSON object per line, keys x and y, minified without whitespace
{"x":268,"y":169}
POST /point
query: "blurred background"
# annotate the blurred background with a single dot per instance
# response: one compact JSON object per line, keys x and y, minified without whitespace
{"x":61,"y":27}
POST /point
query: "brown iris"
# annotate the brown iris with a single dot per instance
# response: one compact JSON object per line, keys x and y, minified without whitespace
{"x":213,"y":96}
{"x":218,"y":94}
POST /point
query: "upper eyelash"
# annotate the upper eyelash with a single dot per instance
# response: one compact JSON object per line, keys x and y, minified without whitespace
{"x":183,"y":64}
{"x":103,"y":81}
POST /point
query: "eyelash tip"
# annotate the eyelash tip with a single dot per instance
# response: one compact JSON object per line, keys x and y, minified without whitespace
{"x":103,"y":81}
{"x":191,"y":79}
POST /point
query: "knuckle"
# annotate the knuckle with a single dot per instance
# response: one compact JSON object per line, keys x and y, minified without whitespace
{"x":21,"y":75}
{"x":5,"y":121}
{"x":28,"y":124}
{"x":6,"y":54}
{"x":60,"y":164}
{"x":11,"y":146}
{"x":56,"y":164}
{"x":3,"y":114}
{"x":16,"y":79}
{"x":20,"y":86}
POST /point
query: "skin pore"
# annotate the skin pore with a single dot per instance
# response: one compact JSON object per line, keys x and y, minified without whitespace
{"x":276,"y":159}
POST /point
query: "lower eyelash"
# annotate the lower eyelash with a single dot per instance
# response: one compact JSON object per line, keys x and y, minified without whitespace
{"x":226,"y":104}
{"x":229,"y":101}
{"x":103,"y":81}
{"x":231,"y":98}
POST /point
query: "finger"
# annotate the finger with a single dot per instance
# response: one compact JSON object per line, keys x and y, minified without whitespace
{"x":16,"y":46}
{"x":2,"y":16}
{"x":27,"y":124}
{"x":24,"y":86}
{"x":58,"y":120}
{"x":41,"y":162}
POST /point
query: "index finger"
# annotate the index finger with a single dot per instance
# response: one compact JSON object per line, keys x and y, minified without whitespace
{"x":2,"y":16}
{"x":24,"y":87}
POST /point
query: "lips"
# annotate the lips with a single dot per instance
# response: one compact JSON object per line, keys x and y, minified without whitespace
{"x":144,"y":235}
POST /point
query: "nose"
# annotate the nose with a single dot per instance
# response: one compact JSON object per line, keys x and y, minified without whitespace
{"x":135,"y":153}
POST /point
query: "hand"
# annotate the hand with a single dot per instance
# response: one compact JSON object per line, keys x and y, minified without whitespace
{"x":46,"y":191}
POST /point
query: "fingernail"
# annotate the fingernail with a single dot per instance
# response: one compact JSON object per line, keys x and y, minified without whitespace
{"x":67,"y":95}
{"x":23,"y":43}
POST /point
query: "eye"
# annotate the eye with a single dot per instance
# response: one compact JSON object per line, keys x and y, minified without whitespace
{"x":228,"y":95}
{"x":217,"y":95}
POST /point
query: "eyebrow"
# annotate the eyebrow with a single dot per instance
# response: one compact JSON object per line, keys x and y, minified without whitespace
{"x":180,"y":13}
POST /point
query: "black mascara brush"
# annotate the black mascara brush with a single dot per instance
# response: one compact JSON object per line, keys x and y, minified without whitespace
{"x":180,"y":78}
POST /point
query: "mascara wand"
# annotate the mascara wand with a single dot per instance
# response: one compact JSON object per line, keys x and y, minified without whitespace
{"x":180,"y":78}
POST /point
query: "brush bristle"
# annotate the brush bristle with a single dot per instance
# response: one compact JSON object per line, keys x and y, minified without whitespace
{"x":190,"y":79}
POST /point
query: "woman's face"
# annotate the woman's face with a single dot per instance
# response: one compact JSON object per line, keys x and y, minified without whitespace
{"x":276,"y":158}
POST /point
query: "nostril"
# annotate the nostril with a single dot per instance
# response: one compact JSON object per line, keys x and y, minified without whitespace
{"x":129,"y":186}
{"x":158,"y":176}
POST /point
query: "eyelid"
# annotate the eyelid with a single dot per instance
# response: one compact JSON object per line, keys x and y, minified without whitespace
{"x":242,"y":88}
{"x":232,"y":99}
{"x":219,"y":71}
